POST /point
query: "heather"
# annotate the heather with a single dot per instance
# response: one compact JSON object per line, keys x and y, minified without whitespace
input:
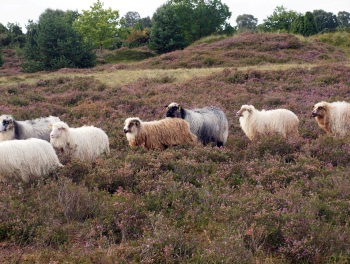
{"x":273,"y":200}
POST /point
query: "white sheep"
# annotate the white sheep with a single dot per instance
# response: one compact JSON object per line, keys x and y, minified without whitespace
{"x":333,"y":118}
{"x":37,"y":128}
{"x":255,"y":123}
{"x":27,"y":158}
{"x":209,"y":124}
{"x":158,"y":134}
{"x":84,"y":143}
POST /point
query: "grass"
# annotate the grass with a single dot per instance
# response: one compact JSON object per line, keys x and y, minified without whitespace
{"x":272,"y":201}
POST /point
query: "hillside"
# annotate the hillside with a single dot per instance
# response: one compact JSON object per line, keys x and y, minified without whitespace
{"x":269,"y":201}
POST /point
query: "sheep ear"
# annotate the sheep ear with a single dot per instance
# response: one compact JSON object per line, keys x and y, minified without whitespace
{"x":167,"y":107}
{"x":179,"y":108}
{"x":50,"y":126}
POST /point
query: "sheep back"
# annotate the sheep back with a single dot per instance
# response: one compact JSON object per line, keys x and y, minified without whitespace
{"x":333,"y":118}
{"x":160,"y":134}
{"x":27,"y":158}
{"x":83,"y":143}
{"x":255,"y":123}
{"x":36,"y":128}
{"x":209,"y":124}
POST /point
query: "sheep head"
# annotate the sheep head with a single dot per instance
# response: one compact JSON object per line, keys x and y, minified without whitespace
{"x":6,"y":123}
{"x":174,"y":110}
{"x":132,"y":125}
{"x":57,"y":129}
{"x":319,"y":110}
{"x":245,"y":110}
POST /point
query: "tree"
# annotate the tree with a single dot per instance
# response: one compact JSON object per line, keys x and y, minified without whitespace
{"x":325,"y":21}
{"x":343,"y":19}
{"x":246,"y":22}
{"x":297,"y":26}
{"x":99,"y":25}
{"x":280,"y":21}
{"x":166,"y":34}
{"x":52,"y":43}
{"x":194,"y":19}
{"x":131,"y":19}
{"x":309,"y":25}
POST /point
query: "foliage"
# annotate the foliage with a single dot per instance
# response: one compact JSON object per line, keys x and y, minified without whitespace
{"x":246,"y":22}
{"x":280,"y":21}
{"x":137,"y":38}
{"x":166,"y":34}
{"x":309,"y":25}
{"x":343,"y":18}
{"x":53,"y":44}
{"x":325,"y":21}
{"x":179,"y":23}
{"x":98,"y":25}
{"x":1,"y":58}
{"x":131,"y":18}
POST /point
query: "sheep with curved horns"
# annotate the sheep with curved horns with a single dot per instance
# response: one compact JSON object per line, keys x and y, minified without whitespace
{"x":37,"y":128}
{"x":255,"y":123}
{"x":27,"y":158}
{"x":333,"y":118}
{"x":85,"y":143}
{"x":158,"y":134}
{"x":209,"y":124}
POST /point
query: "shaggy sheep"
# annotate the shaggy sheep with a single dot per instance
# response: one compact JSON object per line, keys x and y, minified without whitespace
{"x":36,"y":128}
{"x":158,"y":134}
{"x":27,"y":158}
{"x":255,"y":123}
{"x":84,"y":143}
{"x":333,"y":118}
{"x":209,"y":124}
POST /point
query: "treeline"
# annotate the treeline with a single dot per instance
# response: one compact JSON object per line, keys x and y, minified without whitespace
{"x":70,"y":39}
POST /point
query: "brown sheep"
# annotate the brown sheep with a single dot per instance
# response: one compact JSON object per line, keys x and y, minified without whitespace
{"x":158,"y":134}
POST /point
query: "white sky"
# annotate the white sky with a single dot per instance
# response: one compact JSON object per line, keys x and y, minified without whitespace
{"x":20,"y":11}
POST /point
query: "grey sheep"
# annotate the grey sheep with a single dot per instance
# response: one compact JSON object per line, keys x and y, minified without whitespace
{"x":209,"y":124}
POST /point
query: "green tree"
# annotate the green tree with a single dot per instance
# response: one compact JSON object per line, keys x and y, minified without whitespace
{"x":297,"y":26}
{"x":280,"y":21}
{"x":309,"y":25}
{"x":343,"y":19}
{"x":52,"y":43}
{"x":166,"y":34}
{"x":98,"y":25}
{"x":131,"y":18}
{"x":246,"y":22}
{"x":194,"y":19}
{"x":1,"y":58}
{"x":325,"y":21}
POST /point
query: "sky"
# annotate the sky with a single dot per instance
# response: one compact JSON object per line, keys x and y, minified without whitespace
{"x":20,"y":11}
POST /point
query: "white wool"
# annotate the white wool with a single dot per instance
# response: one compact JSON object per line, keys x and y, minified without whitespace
{"x":338,"y":117}
{"x":27,"y":158}
{"x":84,"y":143}
{"x":278,"y":121}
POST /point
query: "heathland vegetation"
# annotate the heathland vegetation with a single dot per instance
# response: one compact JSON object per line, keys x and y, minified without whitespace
{"x":267,"y":201}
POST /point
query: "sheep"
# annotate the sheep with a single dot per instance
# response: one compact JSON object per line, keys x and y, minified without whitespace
{"x":37,"y":128}
{"x":255,"y":123}
{"x":209,"y":124}
{"x":27,"y":158}
{"x":333,"y":118}
{"x":84,"y":143}
{"x":158,"y":134}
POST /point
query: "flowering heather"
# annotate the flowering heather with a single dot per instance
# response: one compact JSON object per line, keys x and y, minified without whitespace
{"x":271,"y":200}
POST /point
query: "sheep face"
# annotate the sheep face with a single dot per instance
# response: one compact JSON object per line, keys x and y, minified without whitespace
{"x":245,"y":111}
{"x":319,"y":110}
{"x":6,"y":123}
{"x":132,"y":127}
{"x":57,"y":130}
{"x":173,"y":110}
